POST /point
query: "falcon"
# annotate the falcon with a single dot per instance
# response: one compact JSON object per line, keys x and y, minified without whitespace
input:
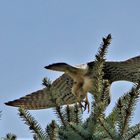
{"x":73,"y":85}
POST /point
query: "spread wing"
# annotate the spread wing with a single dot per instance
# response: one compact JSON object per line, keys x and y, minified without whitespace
{"x":128,"y":70}
{"x":59,"y":93}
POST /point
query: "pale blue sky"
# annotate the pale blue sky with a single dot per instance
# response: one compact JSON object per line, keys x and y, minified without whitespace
{"x":36,"y":33}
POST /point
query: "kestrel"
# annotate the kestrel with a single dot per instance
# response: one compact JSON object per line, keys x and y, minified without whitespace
{"x":74,"y":84}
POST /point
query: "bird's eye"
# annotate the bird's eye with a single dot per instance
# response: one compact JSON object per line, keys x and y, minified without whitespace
{"x":74,"y":82}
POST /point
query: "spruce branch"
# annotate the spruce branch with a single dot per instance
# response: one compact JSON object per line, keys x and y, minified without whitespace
{"x":122,"y":112}
{"x":79,"y":130}
{"x":127,"y":117}
{"x":10,"y":136}
{"x":128,"y":103}
{"x":105,"y":94}
{"x":112,"y":118}
{"x":62,"y":134}
{"x":60,"y":115}
{"x":35,"y":137}
{"x":78,"y":114}
{"x":120,"y":116}
{"x":72,"y":114}
{"x":97,"y":91}
{"x":76,"y":131}
{"x":46,"y":82}
{"x":32,"y":123}
{"x":98,"y":68}
{"x":52,"y":130}
{"x":103,"y":49}
{"x":107,"y":129}
{"x":132,"y":132}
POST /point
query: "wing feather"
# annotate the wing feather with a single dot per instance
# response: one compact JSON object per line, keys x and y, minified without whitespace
{"x":58,"y":94}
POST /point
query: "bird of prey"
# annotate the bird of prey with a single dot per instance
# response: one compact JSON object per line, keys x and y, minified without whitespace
{"x":73,"y":85}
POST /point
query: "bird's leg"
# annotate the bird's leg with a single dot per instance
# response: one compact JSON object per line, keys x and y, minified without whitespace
{"x":87,"y":104}
{"x":80,"y":101}
{"x":78,"y":91}
{"x":81,"y":106}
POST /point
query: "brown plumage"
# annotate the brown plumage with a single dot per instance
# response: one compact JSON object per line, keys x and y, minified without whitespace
{"x":74,"y":84}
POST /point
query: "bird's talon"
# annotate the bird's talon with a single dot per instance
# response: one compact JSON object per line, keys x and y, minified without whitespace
{"x":81,"y":106}
{"x":85,"y":106}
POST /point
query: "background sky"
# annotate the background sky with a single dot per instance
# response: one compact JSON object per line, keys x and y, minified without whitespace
{"x":36,"y":33}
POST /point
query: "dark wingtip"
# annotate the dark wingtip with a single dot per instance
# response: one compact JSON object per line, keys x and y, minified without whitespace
{"x":8,"y":103}
{"x":55,"y":64}
{"x":11,"y":103}
{"x":47,"y":67}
